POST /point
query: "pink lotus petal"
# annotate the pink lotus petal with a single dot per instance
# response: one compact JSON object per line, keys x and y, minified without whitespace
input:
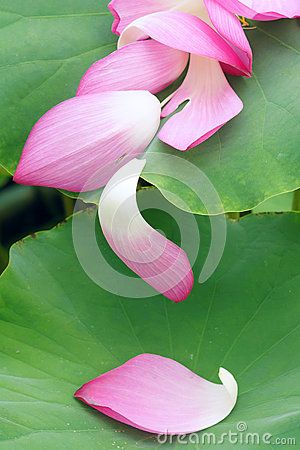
{"x":184,"y":32}
{"x":160,"y":395}
{"x":158,"y":261}
{"x":229,"y":26}
{"x":141,"y":65}
{"x":263,"y":9}
{"x":212,"y":103}
{"x":126,"y":11}
{"x":80,"y":143}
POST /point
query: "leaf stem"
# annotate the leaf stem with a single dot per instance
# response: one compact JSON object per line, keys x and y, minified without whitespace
{"x":68,"y":203}
{"x":233,"y":215}
{"x":296,"y":200}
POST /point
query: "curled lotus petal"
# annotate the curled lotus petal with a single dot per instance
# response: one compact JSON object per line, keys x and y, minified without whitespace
{"x":158,"y":261}
{"x":184,"y":32}
{"x":141,"y":65}
{"x":159,"y":395}
{"x":263,"y":9}
{"x":230,"y":27}
{"x":80,"y":143}
{"x":212,"y":103}
{"x":126,"y":11}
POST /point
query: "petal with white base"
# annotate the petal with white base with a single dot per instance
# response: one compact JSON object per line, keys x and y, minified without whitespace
{"x":159,"y":395}
{"x":80,"y":143}
{"x":158,"y":261}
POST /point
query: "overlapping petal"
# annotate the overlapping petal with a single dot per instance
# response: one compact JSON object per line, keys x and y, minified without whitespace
{"x":263,"y":9}
{"x":141,"y":65}
{"x":158,"y":261}
{"x":126,"y":11}
{"x":212,"y":103}
{"x":159,"y":395}
{"x":229,"y":26}
{"x":82,"y":142}
{"x":184,"y":32}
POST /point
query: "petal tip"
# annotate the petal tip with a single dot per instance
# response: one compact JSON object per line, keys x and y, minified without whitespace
{"x":20,"y":176}
{"x":183,"y":289}
{"x":77,"y":393}
{"x":229,"y":383}
{"x":113,"y":11}
{"x":138,"y":393}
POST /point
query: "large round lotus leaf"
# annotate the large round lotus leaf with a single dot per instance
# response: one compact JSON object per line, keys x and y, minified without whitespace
{"x":59,"y":329}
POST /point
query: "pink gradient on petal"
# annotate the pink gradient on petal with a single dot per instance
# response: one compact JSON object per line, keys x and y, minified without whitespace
{"x":229,"y":26}
{"x":159,"y":395}
{"x":126,"y":11}
{"x":82,"y":142}
{"x":231,"y":70}
{"x":115,"y":15}
{"x":143,"y":65}
{"x":157,"y":260}
{"x":184,"y":32}
{"x":212,"y":103}
{"x":205,"y":136}
{"x":263,"y":10}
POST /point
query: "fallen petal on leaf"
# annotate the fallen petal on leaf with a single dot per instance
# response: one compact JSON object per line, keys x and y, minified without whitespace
{"x":159,"y":395}
{"x":152,"y":256}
